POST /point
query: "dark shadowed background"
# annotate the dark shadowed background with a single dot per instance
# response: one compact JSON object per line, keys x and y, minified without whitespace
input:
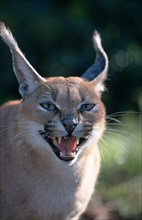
{"x":56,"y":37}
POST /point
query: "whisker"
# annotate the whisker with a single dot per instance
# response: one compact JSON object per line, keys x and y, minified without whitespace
{"x":28,"y":143}
{"x":112,"y":119}
{"x":123,"y":113}
{"x":102,"y":142}
{"x":116,"y":142}
{"x":24,"y":124}
{"x":113,"y":131}
{"x":11,"y":127}
{"x":19,"y":135}
{"x":118,"y":124}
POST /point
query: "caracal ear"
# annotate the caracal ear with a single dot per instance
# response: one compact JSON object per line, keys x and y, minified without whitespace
{"x":26,"y":75}
{"x":97,"y":73}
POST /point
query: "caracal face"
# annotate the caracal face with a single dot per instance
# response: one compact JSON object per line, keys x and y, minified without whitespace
{"x":66,"y":113}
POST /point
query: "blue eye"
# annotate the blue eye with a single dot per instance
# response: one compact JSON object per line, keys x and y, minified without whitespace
{"x":48,"y":106}
{"x":86,"y":107}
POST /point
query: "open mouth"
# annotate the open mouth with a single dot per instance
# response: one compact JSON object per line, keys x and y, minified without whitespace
{"x":65,"y":148}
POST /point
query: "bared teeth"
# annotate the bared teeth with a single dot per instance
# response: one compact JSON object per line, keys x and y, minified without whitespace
{"x":72,"y":154}
{"x":57,"y":140}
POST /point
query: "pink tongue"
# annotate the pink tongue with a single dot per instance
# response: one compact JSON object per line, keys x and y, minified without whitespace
{"x":68,"y":145}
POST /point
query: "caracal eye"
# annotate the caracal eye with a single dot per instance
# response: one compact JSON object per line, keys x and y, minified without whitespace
{"x":48,"y":106}
{"x":86,"y":107}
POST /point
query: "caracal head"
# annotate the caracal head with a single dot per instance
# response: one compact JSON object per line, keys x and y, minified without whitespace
{"x":61,"y":115}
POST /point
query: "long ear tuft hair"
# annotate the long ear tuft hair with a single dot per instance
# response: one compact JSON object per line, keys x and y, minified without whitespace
{"x":26,"y":75}
{"x":7,"y":37}
{"x":100,"y":66}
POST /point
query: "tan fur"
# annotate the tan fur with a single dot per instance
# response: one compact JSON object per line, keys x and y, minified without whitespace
{"x":35,"y":184}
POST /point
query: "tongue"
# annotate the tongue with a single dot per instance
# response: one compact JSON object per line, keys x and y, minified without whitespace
{"x":67,"y":145}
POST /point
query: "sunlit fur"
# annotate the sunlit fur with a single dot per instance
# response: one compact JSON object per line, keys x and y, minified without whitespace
{"x":35,"y":183}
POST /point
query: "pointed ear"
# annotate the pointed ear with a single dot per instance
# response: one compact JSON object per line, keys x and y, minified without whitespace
{"x":26,"y":75}
{"x":97,"y":73}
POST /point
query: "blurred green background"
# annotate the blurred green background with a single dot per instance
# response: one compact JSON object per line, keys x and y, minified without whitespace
{"x":56,"y":37}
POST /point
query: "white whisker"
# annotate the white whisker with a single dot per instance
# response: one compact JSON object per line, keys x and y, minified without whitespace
{"x":19,"y":135}
{"x":120,"y":133}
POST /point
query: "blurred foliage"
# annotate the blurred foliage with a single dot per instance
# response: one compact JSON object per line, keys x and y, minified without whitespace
{"x":56,"y":37}
{"x":122,"y":163}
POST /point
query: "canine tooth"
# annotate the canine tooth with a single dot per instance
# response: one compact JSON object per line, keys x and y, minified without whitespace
{"x":77,"y":140}
{"x":59,"y":140}
{"x":55,"y":142}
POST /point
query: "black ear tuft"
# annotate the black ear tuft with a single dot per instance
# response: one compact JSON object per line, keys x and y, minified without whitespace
{"x":101,"y":62}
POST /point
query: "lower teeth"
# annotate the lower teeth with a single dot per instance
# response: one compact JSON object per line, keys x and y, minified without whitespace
{"x":72,"y":154}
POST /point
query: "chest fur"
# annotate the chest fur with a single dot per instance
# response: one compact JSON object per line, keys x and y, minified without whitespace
{"x":48,"y":191}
